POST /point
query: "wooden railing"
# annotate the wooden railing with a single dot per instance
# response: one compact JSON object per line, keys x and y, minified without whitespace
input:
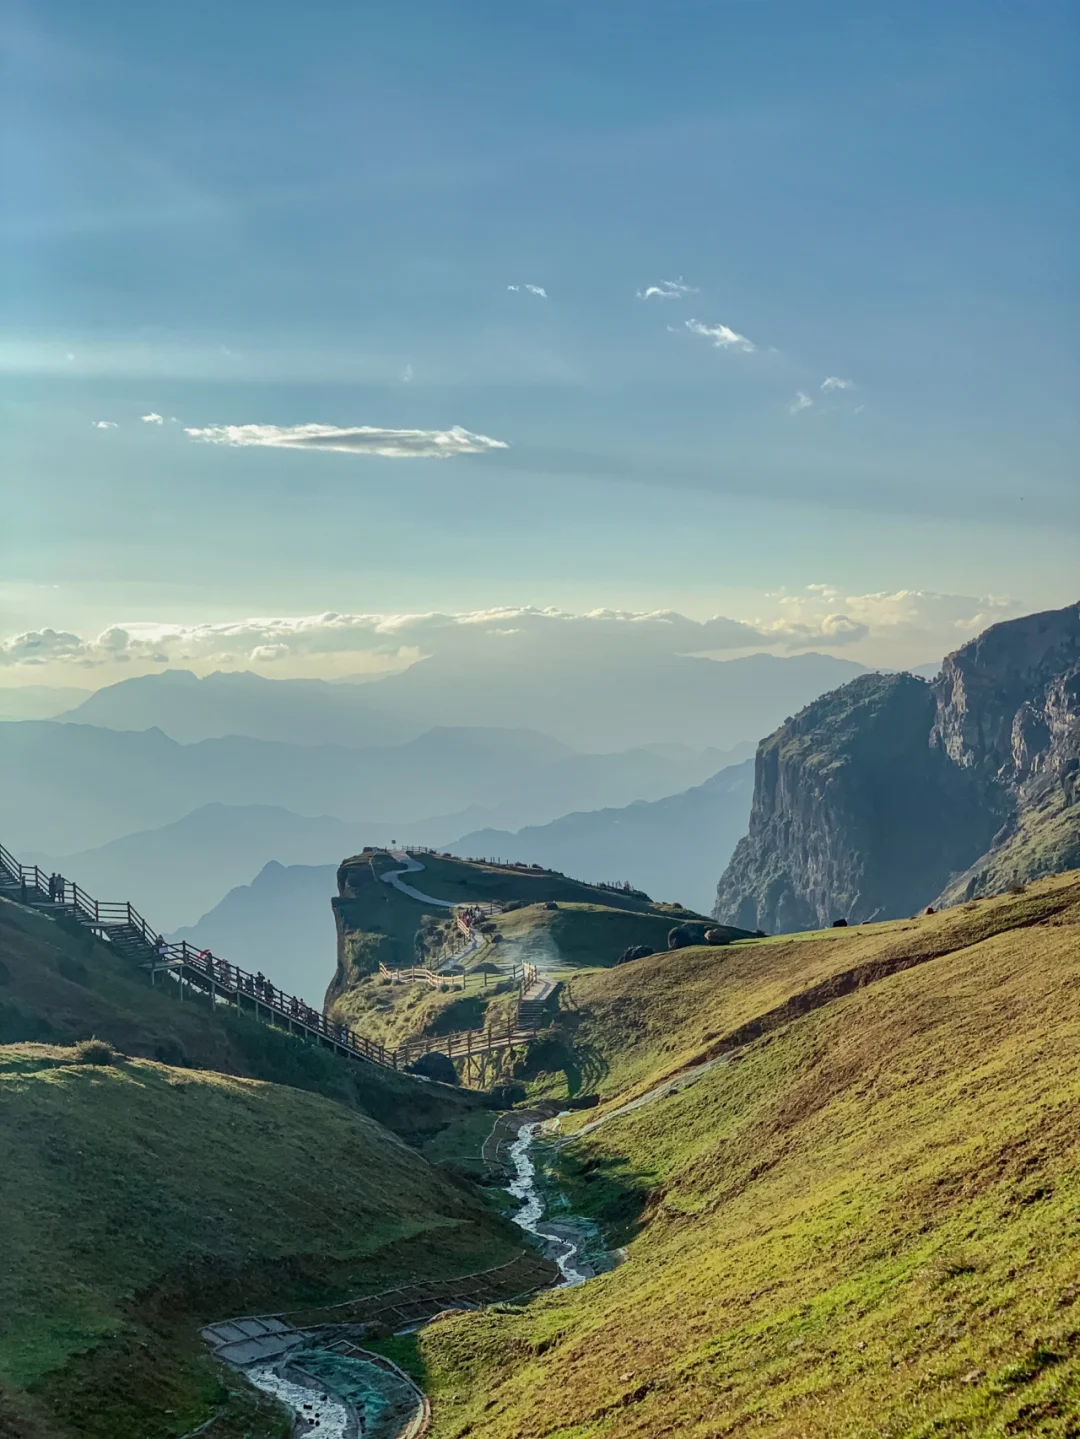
{"x":465,"y":1043}
{"x":117,"y":920}
{"x":424,"y":976}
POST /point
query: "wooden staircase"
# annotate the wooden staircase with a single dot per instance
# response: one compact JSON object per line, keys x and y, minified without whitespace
{"x":124,"y":928}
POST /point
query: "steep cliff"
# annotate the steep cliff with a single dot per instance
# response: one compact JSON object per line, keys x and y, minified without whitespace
{"x":890,"y":793}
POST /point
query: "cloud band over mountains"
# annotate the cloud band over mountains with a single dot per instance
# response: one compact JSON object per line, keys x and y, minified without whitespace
{"x":817,"y":617}
{"x":353,"y":440}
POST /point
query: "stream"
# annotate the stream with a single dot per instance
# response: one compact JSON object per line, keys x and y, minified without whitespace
{"x":563,"y":1240}
{"x":339,"y":1396}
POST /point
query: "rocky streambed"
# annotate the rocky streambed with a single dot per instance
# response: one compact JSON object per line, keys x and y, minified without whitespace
{"x":573,"y":1243}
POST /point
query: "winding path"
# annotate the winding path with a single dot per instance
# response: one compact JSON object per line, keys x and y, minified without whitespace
{"x":409,"y":865}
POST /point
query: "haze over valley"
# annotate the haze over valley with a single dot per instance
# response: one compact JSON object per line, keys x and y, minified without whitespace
{"x":539,"y":720}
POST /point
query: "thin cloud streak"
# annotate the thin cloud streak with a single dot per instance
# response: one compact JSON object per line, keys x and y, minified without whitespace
{"x":355,"y":440}
{"x":722,"y":336}
{"x":668,"y":290}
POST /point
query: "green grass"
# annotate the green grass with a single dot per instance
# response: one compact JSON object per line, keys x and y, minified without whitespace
{"x":1046,"y":841}
{"x":378,"y":924}
{"x":865,"y":1227}
{"x":630,"y":1027}
{"x":59,"y":985}
{"x":140,"y":1199}
{"x":467,"y":880}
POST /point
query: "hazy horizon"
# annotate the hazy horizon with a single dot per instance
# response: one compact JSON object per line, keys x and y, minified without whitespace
{"x":753,"y":312}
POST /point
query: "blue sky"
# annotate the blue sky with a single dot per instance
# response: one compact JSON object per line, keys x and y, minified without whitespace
{"x":282,"y":215}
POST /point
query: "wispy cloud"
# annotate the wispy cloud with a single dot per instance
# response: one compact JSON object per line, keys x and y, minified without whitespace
{"x":834,"y":382}
{"x":802,"y":401}
{"x":668,"y":290}
{"x":153,"y":418}
{"x":722,"y":336}
{"x":407,"y":373}
{"x":530,"y":289}
{"x":105,"y":425}
{"x":354,"y":440}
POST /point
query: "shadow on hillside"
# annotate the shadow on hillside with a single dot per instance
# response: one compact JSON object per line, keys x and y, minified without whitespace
{"x":609,"y":1191}
{"x":582,"y":1066}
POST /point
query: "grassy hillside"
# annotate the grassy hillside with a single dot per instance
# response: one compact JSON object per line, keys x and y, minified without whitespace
{"x":140,"y":1199}
{"x":864,"y":1222}
{"x":634,"y":1026}
{"x":59,"y":985}
{"x":1045,"y":840}
{"x":378,"y":924}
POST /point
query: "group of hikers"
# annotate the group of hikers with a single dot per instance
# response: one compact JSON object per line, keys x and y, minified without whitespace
{"x":225,"y":974}
{"x":232,"y":977}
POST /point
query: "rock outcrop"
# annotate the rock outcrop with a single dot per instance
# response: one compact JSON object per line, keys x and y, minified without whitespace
{"x":891,"y":793}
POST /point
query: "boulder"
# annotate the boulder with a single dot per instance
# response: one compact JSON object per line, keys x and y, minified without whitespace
{"x":684,"y":934}
{"x":433,"y":1066}
{"x":635,"y":951}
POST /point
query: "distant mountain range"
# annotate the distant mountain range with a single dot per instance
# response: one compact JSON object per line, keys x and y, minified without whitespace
{"x":65,"y":788}
{"x":188,"y":708}
{"x":25,"y":702}
{"x":672,"y":848}
{"x":280,"y":923}
{"x":174,"y":874}
{"x":598,"y":704}
{"x":611,"y":701}
{"x":890,"y":793}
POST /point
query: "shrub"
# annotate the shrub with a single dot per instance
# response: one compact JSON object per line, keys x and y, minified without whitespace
{"x":95,"y":1051}
{"x":635,"y":951}
{"x":434,"y":1066}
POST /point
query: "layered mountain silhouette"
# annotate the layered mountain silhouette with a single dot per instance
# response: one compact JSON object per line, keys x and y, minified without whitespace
{"x":175,"y":873}
{"x":596,"y":703}
{"x":294,"y":711}
{"x":281,"y":923}
{"x":670,"y":847}
{"x":66,"y":787}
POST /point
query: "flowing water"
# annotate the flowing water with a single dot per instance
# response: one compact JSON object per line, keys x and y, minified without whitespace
{"x":560,"y":1239}
{"x":388,"y":1406}
{"x":327,"y":1415}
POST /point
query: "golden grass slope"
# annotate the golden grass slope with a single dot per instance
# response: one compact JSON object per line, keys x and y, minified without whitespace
{"x":642,"y":1021}
{"x":865,"y":1226}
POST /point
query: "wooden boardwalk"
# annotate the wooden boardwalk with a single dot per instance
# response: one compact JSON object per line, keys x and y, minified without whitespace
{"x":123,"y":927}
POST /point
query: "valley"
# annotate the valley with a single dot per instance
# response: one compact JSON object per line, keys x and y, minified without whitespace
{"x":553,"y":1156}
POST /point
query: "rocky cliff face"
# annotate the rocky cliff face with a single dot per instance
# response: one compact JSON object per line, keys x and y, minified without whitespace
{"x":891,"y":793}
